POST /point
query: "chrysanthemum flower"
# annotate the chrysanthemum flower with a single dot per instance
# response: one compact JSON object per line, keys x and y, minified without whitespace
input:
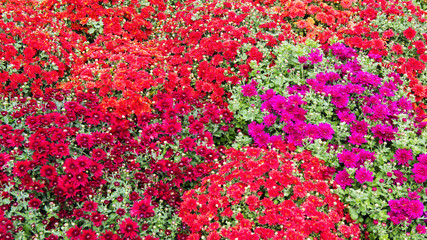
{"x":364,"y":175}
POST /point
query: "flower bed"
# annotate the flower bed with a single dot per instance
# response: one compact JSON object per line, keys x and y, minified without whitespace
{"x":179,"y":119}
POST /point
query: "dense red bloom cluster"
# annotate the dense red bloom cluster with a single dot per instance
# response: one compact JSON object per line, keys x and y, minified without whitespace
{"x":118,"y":71}
{"x":77,"y":151}
{"x":36,"y":50}
{"x":93,"y":18}
{"x":262,"y":194}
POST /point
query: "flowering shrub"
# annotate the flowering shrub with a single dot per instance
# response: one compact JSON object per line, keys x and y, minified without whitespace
{"x":35,"y":52}
{"x":76,"y":171}
{"x":355,"y":120}
{"x":395,"y":34}
{"x":131,"y":19}
{"x":260,"y":194}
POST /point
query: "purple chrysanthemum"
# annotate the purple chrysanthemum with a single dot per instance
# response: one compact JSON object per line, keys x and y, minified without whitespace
{"x":342,"y":52}
{"x":357,"y":139}
{"x":269,"y":120}
{"x":403,"y":156}
{"x":312,"y":131}
{"x":364,"y":175}
{"x":359,"y":127}
{"x":400,"y":178}
{"x":315,"y":56}
{"x":325,"y":131}
{"x":350,"y":159}
{"x":346,"y":116}
{"x":268,"y":95}
{"x":384,"y":132}
{"x":404,"y":209}
{"x":249,"y":90}
{"x":420,"y":172}
{"x":262,"y":139}
{"x":414,"y":209}
{"x":255,"y":129}
{"x":343,"y":179}
{"x":422,"y":158}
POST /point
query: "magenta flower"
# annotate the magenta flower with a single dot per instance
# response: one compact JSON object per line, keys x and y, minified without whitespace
{"x":302,"y":59}
{"x":357,"y":139}
{"x":343,"y":179}
{"x":403,"y":156}
{"x":255,"y":129}
{"x":350,"y":159}
{"x":269,"y":120}
{"x":415,"y":209}
{"x":325,"y":131}
{"x":422,"y":158}
{"x":384,"y":132}
{"x":421,"y":229}
{"x":364,"y":175}
{"x":249,"y":90}
{"x":315,"y":56}
{"x":420,"y":172}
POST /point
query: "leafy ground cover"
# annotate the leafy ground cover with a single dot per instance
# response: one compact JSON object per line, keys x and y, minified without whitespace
{"x":215,"y":119}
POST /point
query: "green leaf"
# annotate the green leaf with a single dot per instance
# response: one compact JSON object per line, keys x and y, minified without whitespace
{"x":353,"y":214}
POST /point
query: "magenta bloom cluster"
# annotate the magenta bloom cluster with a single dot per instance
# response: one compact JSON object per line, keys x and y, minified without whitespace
{"x":287,"y":111}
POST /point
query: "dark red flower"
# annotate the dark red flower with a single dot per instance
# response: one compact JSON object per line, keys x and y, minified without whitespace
{"x":97,"y":218}
{"x":142,"y":209}
{"x":74,"y":233}
{"x":35,"y":203}
{"x":88,"y":234}
{"x":90,"y":206}
{"x":129,"y":228}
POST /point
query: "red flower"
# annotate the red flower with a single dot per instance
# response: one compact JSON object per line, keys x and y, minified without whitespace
{"x":21,"y":168}
{"x":409,"y":33}
{"x":52,"y":237}
{"x":74,"y":233}
{"x":84,"y":140}
{"x":129,"y":228}
{"x":90,"y":206}
{"x":34,"y":203}
{"x":196,"y":127}
{"x":142,"y":209}
{"x":88,"y":235}
{"x":108,"y":235}
{"x":48,"y":172}
{"x":71,"y":166}
{"x":97,"y":218}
